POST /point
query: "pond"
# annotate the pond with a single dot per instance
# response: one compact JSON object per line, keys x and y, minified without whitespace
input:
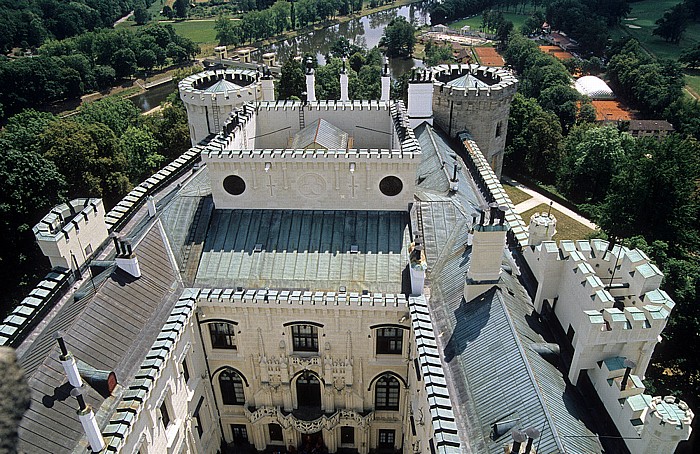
{"x":153,"y":96}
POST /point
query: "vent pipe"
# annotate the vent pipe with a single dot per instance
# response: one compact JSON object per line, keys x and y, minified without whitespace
{"x":151,"y":204}
{"x":518,"y":439}
{"x":532,"y":434}
{"x":126,"y":260}
{"x":629,"y":364}
{"x":68,"y":362}
{"x":87,"y":419}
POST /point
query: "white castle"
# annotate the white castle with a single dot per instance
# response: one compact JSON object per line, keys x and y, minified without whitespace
{"x":339,"y":277}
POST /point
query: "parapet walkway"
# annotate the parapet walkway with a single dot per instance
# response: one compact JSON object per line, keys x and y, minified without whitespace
{"x":538,"y":199}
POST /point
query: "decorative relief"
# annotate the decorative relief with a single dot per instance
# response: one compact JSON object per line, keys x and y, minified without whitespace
{"x":341,"y":417}
{"x":311,"y":185}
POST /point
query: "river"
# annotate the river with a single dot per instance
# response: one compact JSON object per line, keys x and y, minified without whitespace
{"x":365,"y":31}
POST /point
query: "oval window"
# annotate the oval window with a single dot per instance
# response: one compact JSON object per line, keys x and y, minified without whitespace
{"x":390,"y":186}
{"x":234,"y":185}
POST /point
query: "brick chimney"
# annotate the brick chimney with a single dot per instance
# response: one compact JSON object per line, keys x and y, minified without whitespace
{"x":488,"y":242}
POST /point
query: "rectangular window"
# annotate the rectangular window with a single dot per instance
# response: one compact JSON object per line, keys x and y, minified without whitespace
{"x":275,"y":431}
{"x":347,"y":435}
{"x":389,"y":341}
{"x":386,"y":438}
{"x":165,"y":417}
{"x":185,"y":371}
{"x":223,"y":335}
{"x":88,"y":250}
{"x":240,"y":433}
{"x":305,"y":338}
{"x":198,"y":419}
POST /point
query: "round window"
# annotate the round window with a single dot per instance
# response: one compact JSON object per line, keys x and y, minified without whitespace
{"x":390,"y":186}
{"x":234,"y":185}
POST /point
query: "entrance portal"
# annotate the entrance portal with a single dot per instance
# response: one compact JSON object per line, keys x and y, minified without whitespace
{"x":308,"y":391}
{"x":312,"y":443}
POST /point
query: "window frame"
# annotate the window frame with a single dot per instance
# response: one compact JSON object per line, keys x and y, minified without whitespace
{"x":185,"y":370}
{"x":221,"y":339}
{"x":303,"y":341}
{"x":164,"y":415}
{"x":277,"y":431}
{"x":235,"y":395}
{"x":387,"y":344}
{"x":387,"y":393}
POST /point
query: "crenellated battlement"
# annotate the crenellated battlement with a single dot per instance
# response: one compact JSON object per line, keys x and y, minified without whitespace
{"x":199,"y":88}
{"x":487,"y":81}
{"x":68,"y":218}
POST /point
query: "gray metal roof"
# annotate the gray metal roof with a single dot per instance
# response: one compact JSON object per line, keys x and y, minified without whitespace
{"x":467,"y":81}
{"x":111,"y":330}
{"x":320,"y":134}
{"x":222,"y":86}
{"x":487,"y":343}
{"x":305,"y":250}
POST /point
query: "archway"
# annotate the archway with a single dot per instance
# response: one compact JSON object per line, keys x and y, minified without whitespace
{"x":308,"y":388}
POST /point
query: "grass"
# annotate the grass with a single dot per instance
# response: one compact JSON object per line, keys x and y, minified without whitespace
{"x":475,"y":21}
{"x":567,"y":228}
{"x":516,"y":195}
{"x":646,"y":13}
{"x":200,"y":31}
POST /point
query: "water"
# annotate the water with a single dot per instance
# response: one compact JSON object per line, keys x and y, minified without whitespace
{"x":153,"y":97}
{"x":365,"y":32}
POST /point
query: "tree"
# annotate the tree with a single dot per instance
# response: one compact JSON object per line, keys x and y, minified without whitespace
{"x":141,"y":15}
{"x":292,"y":80}
{"x":114,"y":112}
{"x":168,"y":12}
{"x":124,"y":63}
{"x":180,"y":8}
{"x":691,"y":57}
{"x":142,"y":153}
{"x":147,"y":59}
{"x":592,"y":156}
{"x":399,"y":38}
{"x":673,"y":24}
{"x":564,"y":101}
{"x":23,"y":130}
{"x":227,"y":33}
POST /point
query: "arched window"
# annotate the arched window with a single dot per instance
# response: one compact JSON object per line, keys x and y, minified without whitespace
{"x":231,"y":386}
{"x":386,"y":393}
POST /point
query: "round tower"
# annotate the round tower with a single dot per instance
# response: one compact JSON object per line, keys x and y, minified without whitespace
{"x":543,"y":227}
{"x":476,"y":99}
{"x":210,"y":96}
{"x":667,"y":423}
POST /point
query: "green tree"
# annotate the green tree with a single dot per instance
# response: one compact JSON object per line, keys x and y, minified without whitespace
{"x":168,"y":12}
{"x":227,"y":33}
{"x":399,"y":38}
{"x":142,"y":153}
{"x":436,"y":54}
{"x":672,"y":25}
{"x":114,"y":112}
{"x":141,"y":15}
{"x":292,"y":80}
{"x":180,"y":8}
{"x":23,"y":130}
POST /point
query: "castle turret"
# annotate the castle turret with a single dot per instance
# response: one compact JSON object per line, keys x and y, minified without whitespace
{"x":476,"y":99}
{"x":210,"y":96}
{"x":543,"y":226}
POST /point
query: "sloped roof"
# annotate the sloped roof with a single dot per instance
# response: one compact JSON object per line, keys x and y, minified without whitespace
{"x":467,"y":81}
{"x":594,"y":87}
{"x":320,"y":134}
{"x":222,"y":86}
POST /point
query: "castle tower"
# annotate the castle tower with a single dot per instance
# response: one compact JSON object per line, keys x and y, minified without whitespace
{"x":476,"y":99}
{"x":543,"y":226}
{"x":210,"y":96}
{"x":70,"y":233}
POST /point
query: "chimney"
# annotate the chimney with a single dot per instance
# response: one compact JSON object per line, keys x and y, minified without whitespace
{"x":454,"y":182}
{"x":151,"y":204}
{"x":386,"y":81}
{"x":532,"y":435}
{"x":420,"y":98}
{"x":87,"y":419}
{"x":344,"y":96}
{"x":68,"y":362}
{"x":518,"y":439}
{"x":126,"y":258}
{"x":310,"y":81}
{"x":488,"y":242}
{"x":268,"y":86}
{"x":417,"y":265}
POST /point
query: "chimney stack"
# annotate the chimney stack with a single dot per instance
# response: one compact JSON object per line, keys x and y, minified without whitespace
{"x":268,"y":86}
{"x":417,"y":266}
{"x":344,"y":96}
{"x":126,"y":259}
{"x":420,"y":98}
{"x":87,"y":419}
{"x":488,"y":242}
{"x":68,"y":362}
{"x":532,"y":435}
{"x":518,"y":439}
{"x":454,"y":182}
{"x":310,"y":81}
{"x":386,"y":81}
{"x":151,"y":205}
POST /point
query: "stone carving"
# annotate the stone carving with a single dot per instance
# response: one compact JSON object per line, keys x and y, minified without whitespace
{"x":328,"y":422}
{"x":311,"y":185}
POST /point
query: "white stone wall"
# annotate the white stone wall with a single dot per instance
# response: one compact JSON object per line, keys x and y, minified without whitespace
{"x":78,"y":238}
{"x":346,"y":363}
{"x":148,"y":434}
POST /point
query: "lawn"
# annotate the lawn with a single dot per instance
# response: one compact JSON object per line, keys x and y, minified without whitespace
{"x":645,"y":14}
{"x":475,"y":21}
{"x":516,"y":195}
{"x":567,"y":228}
{"x":200,"y":31}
